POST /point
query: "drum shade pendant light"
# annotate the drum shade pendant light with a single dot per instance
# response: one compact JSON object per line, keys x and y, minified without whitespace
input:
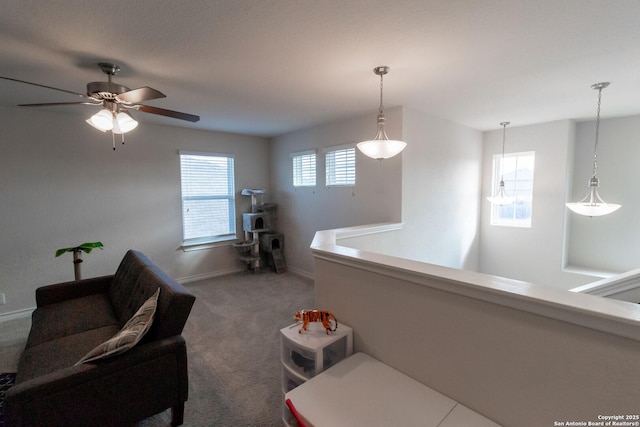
{"x":592,"y":204}
{"x":381,"y":147}
{"x":501,"y":197}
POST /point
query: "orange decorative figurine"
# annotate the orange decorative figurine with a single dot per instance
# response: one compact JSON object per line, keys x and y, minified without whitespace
{"x":326,"y":317}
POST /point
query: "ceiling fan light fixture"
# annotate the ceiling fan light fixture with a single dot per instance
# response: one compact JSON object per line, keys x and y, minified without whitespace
{"x":123,"y":123}
{"x":381,"y":147}
{"x":102,"y":120}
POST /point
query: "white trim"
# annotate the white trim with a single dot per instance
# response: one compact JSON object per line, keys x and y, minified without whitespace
{"x":303,"y":153}
{"x":612,"y":285}
{"x":205,"y":153}
{"x":603,"y":314}
{"x":338,"y":147}
{"x":221,"y":241}
{"x":18,"y":314}
{"x":210,"y":275}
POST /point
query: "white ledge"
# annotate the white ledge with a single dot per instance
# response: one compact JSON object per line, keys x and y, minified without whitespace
{"x":603,"y":314}
{"x":612,"y":285}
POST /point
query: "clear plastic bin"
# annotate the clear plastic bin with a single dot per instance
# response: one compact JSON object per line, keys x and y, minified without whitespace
{"x":312,"y":351}
{"x":290,"y":379}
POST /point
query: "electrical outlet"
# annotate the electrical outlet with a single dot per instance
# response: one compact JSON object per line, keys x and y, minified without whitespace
{"x":2,"y":298}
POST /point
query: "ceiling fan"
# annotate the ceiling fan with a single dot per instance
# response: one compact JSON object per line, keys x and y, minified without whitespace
{"x":116,"y":100}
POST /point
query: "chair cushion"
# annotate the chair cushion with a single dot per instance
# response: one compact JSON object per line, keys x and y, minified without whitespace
{"x":54,"y":356}
{"x":54,"y":321}
{"x":130,"y":334}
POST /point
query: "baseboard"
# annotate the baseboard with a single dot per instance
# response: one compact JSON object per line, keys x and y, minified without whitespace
{"x":300,"y":272}
{"x":203,"y":276}
{"x":18,"y":314}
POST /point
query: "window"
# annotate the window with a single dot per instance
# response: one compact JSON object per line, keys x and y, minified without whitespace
{"x":517,"y":171}
{"x":304,"y":169}
{"x":341,"y":166}
{"x":208,"y":198}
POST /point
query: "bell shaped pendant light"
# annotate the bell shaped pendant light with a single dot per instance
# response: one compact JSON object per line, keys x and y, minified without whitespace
{"x":381,"y":147}
{"x":102,"y":120}
{"x":501,"y":197}
{"x":123,"y":123}
{"x":592,"y":204}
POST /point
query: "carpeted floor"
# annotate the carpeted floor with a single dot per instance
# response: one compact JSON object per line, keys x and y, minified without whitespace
{"x":233,"y":347}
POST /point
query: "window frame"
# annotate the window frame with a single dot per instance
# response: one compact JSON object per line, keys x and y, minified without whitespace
{"x":301,"y":172}
{"x":511,"y":187}
{"x":208,"y":240}
{"x":349,"y":179}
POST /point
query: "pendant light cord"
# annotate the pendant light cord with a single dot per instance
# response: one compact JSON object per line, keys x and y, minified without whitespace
{"x":595,"y":150}
{"x":504,"y":133}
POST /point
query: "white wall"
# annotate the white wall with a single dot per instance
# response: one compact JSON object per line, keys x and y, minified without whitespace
{"x":533,"y":254}
{"x":437,"y":177}
{"x":302,"y":211}
{"x":441,"y":171}
{"x":61,"y":184}
{"x":611,"y":242}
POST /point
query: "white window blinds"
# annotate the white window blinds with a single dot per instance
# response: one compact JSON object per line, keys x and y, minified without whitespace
{"x":208,"y":198}
{"x":341,"y":166}
{"x":304,"y":169}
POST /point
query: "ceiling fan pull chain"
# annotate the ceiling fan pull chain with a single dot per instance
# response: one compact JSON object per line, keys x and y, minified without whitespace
{"x":113,"y":140}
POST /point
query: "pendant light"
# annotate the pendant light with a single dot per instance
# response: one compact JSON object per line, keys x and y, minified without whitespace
{"x":381,"y":147}
{"x":501,"y":197}
{"x":592,"y":204}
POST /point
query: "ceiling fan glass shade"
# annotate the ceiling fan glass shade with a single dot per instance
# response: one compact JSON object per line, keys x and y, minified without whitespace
{"x":102,"y":120}
{"x":381,"y":147}
{"x":592,"y":204}
{"x":123,"y":123}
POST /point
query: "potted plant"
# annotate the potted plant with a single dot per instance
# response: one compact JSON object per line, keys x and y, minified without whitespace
{"x":77,"y":253}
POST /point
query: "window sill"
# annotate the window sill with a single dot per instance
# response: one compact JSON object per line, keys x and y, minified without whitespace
{"x":198,"y":246}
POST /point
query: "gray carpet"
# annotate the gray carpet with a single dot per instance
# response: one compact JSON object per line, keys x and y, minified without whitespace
{"x":233,"y":348}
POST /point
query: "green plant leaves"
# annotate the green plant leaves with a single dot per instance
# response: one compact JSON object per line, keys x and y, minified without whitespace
{"x":85,"y":247}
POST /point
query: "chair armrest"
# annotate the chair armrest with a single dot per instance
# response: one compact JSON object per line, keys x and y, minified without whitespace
{"x":59,"y":292}
{"x":84,"y":394}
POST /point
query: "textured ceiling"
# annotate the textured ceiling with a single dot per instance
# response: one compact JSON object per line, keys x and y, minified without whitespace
{"x":267,"y":67}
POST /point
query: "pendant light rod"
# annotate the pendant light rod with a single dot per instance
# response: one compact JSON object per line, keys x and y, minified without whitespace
{"x":381,"y":71}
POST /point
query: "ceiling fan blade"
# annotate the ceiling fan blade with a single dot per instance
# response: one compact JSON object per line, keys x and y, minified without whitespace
{"x":45,"y":86}
{"x":48,"y":104}
{"x":141,"y":94}
{"x":168,"y":113}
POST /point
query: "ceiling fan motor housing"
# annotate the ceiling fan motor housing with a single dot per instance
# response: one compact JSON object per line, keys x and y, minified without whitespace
{"x":105,"y":91}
